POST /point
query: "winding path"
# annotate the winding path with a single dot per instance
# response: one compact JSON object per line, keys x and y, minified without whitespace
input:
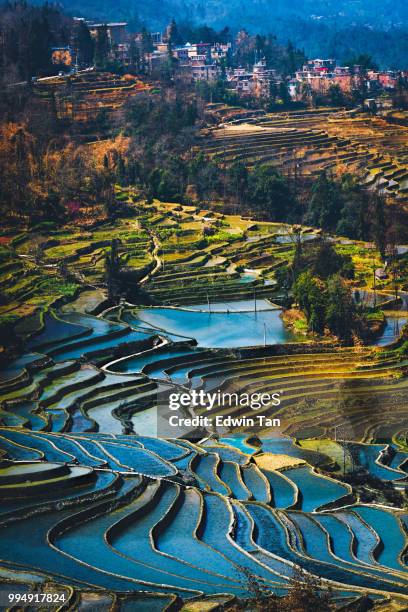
{"x":156,"y":257}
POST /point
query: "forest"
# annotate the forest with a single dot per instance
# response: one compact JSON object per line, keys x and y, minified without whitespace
{"x":339,"y":29}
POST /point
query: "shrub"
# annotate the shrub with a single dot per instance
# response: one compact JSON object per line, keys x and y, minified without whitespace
{"x":4,"y":254}
{"x":57,"y":286}
{"x":45,"y":226}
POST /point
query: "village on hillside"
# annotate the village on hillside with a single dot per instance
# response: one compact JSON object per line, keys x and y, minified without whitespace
{"x":151,"y":53}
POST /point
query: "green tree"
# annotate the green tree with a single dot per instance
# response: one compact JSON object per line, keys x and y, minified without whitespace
{"x":102,"y":47}
{"x":364,"y":60}
{"x":84,"y":43}
{"x":340,"y":310}
{"x":112,"y":267}
{"x":378,"y":227}
{"x":269,"y":192}
{"x":308,"y":292}
{"x":147,"y":42}
{"x":284,"y":93}
{"x":22,"y":196}
{"x":325,"y":204}
{"x":238,"y":181}
{"x":353,"y":215}
{"x":134,"y":56}
{"x":175,"y":37}
{"x":335,"y":95}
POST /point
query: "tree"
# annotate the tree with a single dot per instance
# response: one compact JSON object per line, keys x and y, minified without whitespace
{"x":273,"y":92}
{"x":400,"y":97}
{"x":340,"y":311}
{"x":238,"y":180}
{"x":134,"y":56}
{"x":378,"y":229}
{"x":84,"y":43}
{"x":364,"y":60}
{"x":40,"y":41}
{"x":112,"y":267}
{"x":308,"y":292}
{"x":325,"y":204}
{"x":174,"y":36}
{"x":147,"y":42}
{"x":102,"y":47}
{"x":307,"y":594}
{"x":335,"y":95}
{"x":22,"y":197}
{"x":284,"y":93}
{"x":269,"y":192}
{"x":352,"y":221}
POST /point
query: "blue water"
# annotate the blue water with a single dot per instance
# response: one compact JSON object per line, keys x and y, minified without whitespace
{"x":39,"y":444}
{"x":272,"y":537}
{"x":286,"y":446}
{"x":13,"y":546}
{"x":341,"y":537}
{"x":389,"y":530}
{"x":255,"y":483}
{"x":367,"y":456}
{"x":238,"y":441}
{"x":392,"y":330}
{"x":103,"y":481}
{"x":230,"y":475}
{"x":17,"y":452}
{"x":56,"y":330}
{"x":205,"y":470}
{"x":140,"y":460}
{"x":17,"y":366}
{"x":283,"y":492}
{"x":217,"y":525}
{"x":242,"y":536}
{"x":314,"y":538}
{"x":226,"y":452}
{"x":365,"y":540}
{"x":177,"y":539}
{"x":78,"y":349}
{"x":142,"y":562}
{"x":164,"y":448}
{"x":221,"y":329}
{"x":315,"y":490}
{"x":138,"y":362}
{"x":26,"y":412}
{"x":235,"y":305}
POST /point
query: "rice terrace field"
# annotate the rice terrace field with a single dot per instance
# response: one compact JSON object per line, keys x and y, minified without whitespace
{"x":178,"y":519}
{"x":309,"y":141}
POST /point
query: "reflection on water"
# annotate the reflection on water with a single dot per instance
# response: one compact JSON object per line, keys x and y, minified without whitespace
{"x":392,"y":330}
{"x":220,"y":329}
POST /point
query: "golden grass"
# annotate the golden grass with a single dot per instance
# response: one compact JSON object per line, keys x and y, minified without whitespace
{"x":269,"y":461}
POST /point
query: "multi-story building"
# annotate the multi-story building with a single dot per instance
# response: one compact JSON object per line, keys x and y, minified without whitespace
{"x":256,"y":83}
{"x":262,"y":78}
{"x":319,"y":75}
{"x":196,"y":62}
{"x":155,"y":60}
{"x":117,"y":32}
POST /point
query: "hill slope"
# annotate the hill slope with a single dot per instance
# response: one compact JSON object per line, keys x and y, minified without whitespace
{"x":340,"y":28}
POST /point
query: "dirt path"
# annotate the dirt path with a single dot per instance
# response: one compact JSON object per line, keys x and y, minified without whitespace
{"x":155,"y":255}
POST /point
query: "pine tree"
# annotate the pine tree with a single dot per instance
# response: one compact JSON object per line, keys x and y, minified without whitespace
{"x":84,"y":43}
{"x":102,"y":47}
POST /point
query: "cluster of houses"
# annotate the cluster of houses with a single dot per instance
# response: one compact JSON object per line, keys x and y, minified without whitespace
{"x":208,"y":62}
{"x":320,"y":74}
{"x":195,"y":62}
{"x":253,"y":83}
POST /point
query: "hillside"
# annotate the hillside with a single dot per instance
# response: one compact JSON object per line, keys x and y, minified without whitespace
{"x":322,"y":27}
